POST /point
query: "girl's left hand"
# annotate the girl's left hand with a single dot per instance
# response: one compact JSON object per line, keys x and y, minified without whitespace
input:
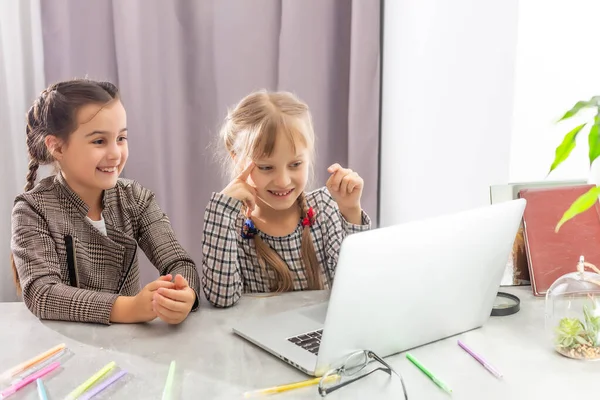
{"x":346,"y":188}
{"x":174,"y":305}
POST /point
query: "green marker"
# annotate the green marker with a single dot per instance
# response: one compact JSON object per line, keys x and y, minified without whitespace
{"x":428,"y":373}
{"x":91,"y":381}
{"x":168,"y":390}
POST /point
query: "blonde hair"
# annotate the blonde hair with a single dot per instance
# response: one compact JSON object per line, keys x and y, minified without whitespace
{"x":249,"y":132}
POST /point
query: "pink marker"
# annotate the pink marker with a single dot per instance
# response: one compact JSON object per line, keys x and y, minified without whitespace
{"x":480,"y":359}
{"x":26,"y":381}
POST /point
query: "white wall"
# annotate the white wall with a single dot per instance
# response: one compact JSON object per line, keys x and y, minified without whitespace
{"x":447,"y":104}
{"x":557,"y":65}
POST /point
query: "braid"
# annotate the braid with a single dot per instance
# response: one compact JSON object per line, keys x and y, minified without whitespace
{"x":268,"y":258}
{"x":33,"y":141}
{"x":309,"y":256}
{"x":32,"y":174}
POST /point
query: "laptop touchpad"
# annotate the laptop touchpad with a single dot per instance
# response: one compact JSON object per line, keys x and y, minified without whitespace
{"x":316,"y":313}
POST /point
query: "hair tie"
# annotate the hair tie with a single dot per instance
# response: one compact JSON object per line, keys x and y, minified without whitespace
{"x":248,"y":229}
{"x":309,"y":220}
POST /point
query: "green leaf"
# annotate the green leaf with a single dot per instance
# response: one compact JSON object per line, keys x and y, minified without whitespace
{"x":580,"y":105}
{"x":581,"y":204}
{"x":581,"y":340}
{"x":595,"y":101}
{"x":594,"y":139}
{"x":568,"y":144}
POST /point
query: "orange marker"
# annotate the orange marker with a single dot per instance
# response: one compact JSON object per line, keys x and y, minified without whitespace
{"x":35,"y":360}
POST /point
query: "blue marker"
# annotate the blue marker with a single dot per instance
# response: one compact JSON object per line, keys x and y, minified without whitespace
{"x":41,"y":389}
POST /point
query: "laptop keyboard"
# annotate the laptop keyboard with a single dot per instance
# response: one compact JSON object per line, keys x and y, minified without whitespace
{"x":309,"y":341}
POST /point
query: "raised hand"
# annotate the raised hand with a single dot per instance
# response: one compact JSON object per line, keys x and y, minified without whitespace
{"x":346,"y":188}
{"x":240,"y":189}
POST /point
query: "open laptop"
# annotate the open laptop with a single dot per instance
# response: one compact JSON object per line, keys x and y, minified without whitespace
{"x":397,"y":288}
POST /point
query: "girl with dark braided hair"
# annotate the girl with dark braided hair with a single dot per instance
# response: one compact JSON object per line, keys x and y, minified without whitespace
{"x":75,"y":234}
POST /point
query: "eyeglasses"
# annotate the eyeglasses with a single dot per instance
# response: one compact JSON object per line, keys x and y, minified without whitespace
{"x":337,"y":378}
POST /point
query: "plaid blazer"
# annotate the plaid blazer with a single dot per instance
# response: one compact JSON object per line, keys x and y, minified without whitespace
{"x":48,"y":217}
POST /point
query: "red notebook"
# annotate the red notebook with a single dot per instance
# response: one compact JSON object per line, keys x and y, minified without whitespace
{"x":552,"y":254}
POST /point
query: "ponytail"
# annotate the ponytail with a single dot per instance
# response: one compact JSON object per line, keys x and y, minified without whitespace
{"x":309,"y":255}
{"x":270,"y":261}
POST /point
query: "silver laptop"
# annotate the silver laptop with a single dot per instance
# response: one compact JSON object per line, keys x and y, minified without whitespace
{"x":397,"y":288}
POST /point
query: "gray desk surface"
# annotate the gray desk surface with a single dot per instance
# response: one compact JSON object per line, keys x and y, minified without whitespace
{"x":213,"y":363}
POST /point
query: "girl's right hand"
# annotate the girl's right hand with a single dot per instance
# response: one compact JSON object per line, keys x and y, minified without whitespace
{"x":240,"y":189}
{"x":142,"y":302}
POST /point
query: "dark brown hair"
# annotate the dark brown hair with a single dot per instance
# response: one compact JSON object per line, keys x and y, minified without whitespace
{"x":54,"y":113}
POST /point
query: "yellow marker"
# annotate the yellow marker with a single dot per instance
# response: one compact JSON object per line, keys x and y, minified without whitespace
{"x":284,"y":388}
{"x":93,"y":379}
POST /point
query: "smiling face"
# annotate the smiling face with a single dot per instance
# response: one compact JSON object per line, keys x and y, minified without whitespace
{"x":275,"y":132}
{"x":96,"y":152}
{"x":281,"y":177}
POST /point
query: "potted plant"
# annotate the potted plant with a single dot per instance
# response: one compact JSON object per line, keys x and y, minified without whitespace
{"x":576,"y":338}
{"x":577,"y":332}
{"x":587,"y":200}
{"x":573,"y":313}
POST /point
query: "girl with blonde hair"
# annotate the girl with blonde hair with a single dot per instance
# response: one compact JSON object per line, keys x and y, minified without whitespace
{"x":263,"y":232}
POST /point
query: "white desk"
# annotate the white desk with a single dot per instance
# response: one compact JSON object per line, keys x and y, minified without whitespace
{"x":213,"y":363}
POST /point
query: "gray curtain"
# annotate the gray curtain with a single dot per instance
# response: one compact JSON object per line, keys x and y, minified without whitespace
{"x":21,"y":79}
{"x":181,"y":63}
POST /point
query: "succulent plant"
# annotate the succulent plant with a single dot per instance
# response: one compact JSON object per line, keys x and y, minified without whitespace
{"x":572,"y":332}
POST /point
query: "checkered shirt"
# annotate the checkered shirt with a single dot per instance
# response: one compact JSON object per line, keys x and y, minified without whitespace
{"x":230,"y":264}
{"x":43,"y":216}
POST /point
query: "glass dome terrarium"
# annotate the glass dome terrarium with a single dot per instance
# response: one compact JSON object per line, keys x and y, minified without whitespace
{"x":573,"y":313}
